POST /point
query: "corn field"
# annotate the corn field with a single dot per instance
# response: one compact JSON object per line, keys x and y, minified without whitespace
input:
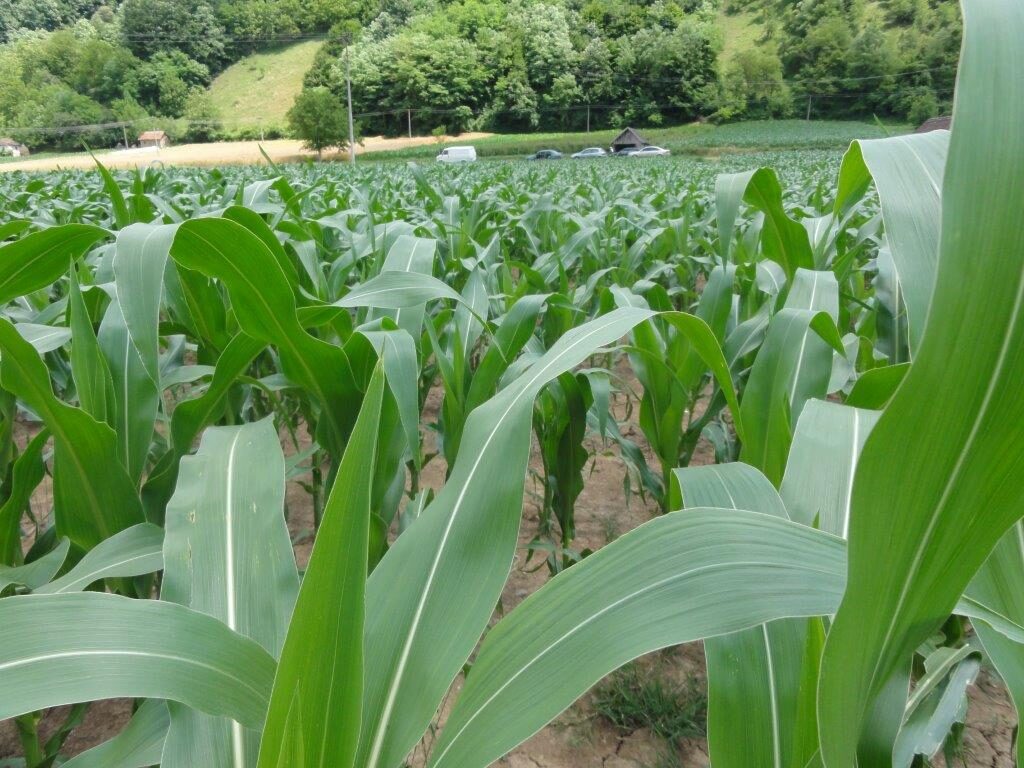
{"x":846,"y":340}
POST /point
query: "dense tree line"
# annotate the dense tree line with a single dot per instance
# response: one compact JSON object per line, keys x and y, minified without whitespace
{"x":564,"y":64}
{"x":488,"y":64}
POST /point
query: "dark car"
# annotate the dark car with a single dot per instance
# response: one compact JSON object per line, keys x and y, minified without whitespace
{"x":624,"y":152}
{"x":545,"y":154}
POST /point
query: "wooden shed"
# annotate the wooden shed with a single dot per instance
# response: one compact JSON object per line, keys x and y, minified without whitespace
{"x":154,"y":139}
{"x":629,"y":139}
{"x":935,"y":124}
{"x":12,"y":148}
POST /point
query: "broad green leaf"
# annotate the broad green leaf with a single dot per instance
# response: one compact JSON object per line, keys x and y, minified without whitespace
{"x":998,"y":585}
{"x":681,"y":577}
{"x":139,"y":745}
{"x":395,"y":290}
{"x":264,"y":305}
{"x":939,"y":701}
{"x":875,"y":388}
{"x":907,"y":171}
{"x":134,"y":551}
{"x":793,"y":366}
{"x":136,"y":396}
{"x":818,"y":481}
{"x":61,"y":649}
{"x":27,"y":473}
{"x":409,"y":254}
{"x":397,"y":352}
{"x":191,"y":416}
{"x":425,"y":607}
{"x":122,"y":216}
{"x":815,"y":290}
{"x":44,"y":338}
{"x":41,"y":258}
{"x":140,"y":260}
{"x":38,"y":572}
{"x":783,"y":240}
{"x":93,"y":382}
{"x":227,"y":553}
{"x":314,"y":714}
{"x":93,"y":495}
{"x":945,"y":453}
{"x":754,"y":676}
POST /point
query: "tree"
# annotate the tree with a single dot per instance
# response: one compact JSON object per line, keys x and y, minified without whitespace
{"x":202,"y":116}
{"x":752,"y":87}
{"x":186,"y":26}
{"x":319,"y":118}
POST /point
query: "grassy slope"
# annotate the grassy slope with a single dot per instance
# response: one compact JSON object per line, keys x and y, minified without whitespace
{"x":740,"y":32}
{"x":261,"y":88}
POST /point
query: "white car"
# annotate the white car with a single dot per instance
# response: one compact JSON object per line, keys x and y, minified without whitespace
{"x":585,"y":154}
{"x":457,"y":155}
{"x":651,"y":152}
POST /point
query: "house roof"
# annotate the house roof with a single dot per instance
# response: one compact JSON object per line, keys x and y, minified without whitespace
{"x":935,"y":124}
{"x":630,"y":137}
{"x":152,"y":135}
{"x":7,"y":142}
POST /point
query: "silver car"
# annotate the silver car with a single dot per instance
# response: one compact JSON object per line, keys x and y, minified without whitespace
{"x":586,"y":154}
{"x":651,"y":152}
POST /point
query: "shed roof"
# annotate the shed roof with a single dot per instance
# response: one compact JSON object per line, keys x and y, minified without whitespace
{"x":8,"y":142}
{"x":935,"y":124}
{"x":152,"y":135}
{"x":629,"y":138}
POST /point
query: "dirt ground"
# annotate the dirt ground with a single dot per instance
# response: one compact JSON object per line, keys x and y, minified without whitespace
{"x":579,"y":738}
{"x":220,"y":153}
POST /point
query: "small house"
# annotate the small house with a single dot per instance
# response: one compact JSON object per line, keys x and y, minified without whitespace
{"x":935,"y":124}
{"x":12,"y":148}
{"x":629,"y":139}
{"x":156,"y":139}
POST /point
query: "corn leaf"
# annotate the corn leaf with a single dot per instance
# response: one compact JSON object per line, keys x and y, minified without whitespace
{"x":93,"y":646}
{"x":134,"y":551}
{"x":661,"y":584}
{"x":93,"y":495}
{"x":754,"y":676}
{"x":140,"y":744}
{"x":227,"y":553}
{"x":957,"y":479}
{"x":41,"y":258}
{"x":314,"y":714}
{"x":907,"y":171}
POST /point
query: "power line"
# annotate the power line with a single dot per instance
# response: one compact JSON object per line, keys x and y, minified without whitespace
{"x":397,"y":112}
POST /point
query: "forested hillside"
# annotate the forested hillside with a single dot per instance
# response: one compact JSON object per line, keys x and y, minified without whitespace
{"x":74,"y":70}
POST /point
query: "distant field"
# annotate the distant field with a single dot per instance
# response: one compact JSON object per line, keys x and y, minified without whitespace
{"x":695,"y":138}
{"x":262,"y":87}
{"x":699,"y":140}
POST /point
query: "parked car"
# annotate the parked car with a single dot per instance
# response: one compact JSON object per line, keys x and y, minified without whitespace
{"x":624,"y":152}
{"x":457,"y":155}
{"x":586,"y":154}
{"x":545,"y":154}
{"x":651,"y":152}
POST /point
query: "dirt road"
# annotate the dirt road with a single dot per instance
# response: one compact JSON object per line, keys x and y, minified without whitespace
{"x":219,"y":153}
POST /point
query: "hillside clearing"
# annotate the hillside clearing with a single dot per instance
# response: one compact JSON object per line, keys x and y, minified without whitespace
{"x":259,"y":89}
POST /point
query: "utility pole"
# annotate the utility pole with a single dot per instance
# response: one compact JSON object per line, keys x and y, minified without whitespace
{"x":351,"y":125}
{"x":408,"y":113}
{"x":810,"y":98}
{"x":124,"y":132}
{"x":588,"y":117}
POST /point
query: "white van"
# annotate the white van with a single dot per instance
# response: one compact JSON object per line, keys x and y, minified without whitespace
{"x":457,"y":155}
